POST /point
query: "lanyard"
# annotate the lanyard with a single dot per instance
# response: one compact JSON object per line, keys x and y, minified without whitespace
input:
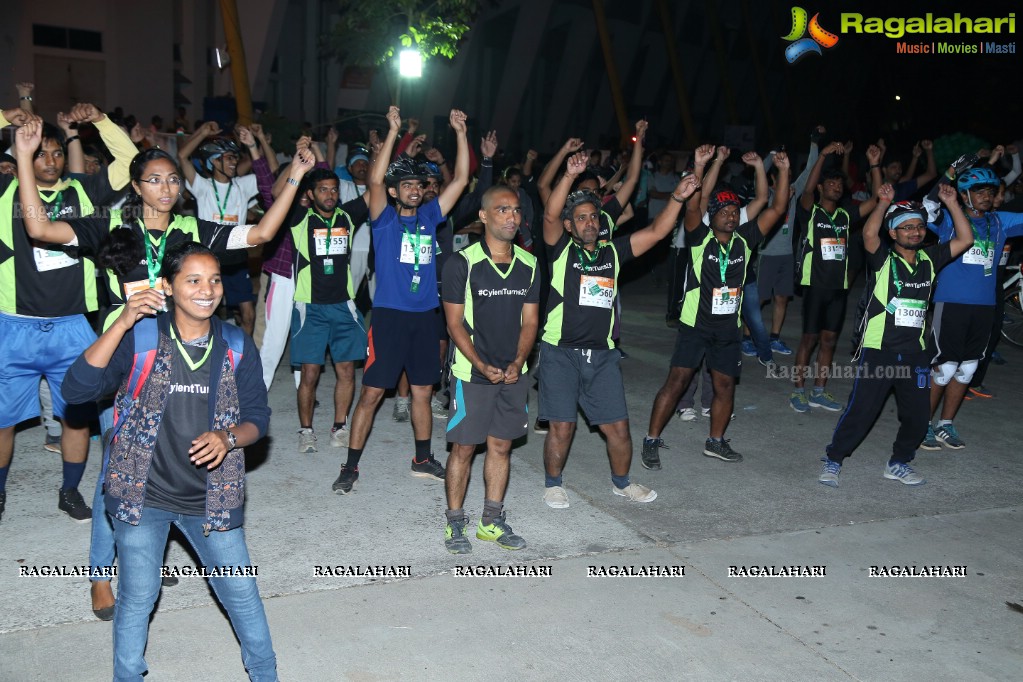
{"x":184,"y":353}
{"x":838,"y":230}
{"x":895,"y":274}
{"x":57,"y":205}
{"x":227,"y":197}
{"x":984,"y":243}
{"x":154,"y":254}
{"x":585,"y":259}
{"x":725,"y":254}
{"x":330,"y":225}
{"x":416,"y":242}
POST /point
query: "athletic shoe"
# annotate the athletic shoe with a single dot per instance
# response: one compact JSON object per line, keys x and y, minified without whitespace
{"x":825,"y":401}
{"x":541,"y":426}
{"x":635,"y":492}
{"x":70,"y":501}
{"x":439,"y":409}
{"x":686,"y":414}
{"x":52,"y":444}
{"x":778,"y":346}
{"x":339,"y":437}
{"x":772,"y":367}
{"x":499,"y":532}
{"x":982,"y":392}
{"x":930,"y":441}
{"x":169,"y":581}
{"x":346,"y":480}
{"x":431,"y":468}
{"x":622,"y":353}
{"x":556,"y":497}
{"x":722,"y":450}
{"x":306,"y":441}
{"x":401,"y":409}
{"x":454,"y":537}
{"x":949,"y":437}
{"x":651,"y":457}
{"x":903,"y":473}
{"x":829,"y":474}
{"x":749,"y":349}
{"x":798,"y":402}
{"x":706,"y":413}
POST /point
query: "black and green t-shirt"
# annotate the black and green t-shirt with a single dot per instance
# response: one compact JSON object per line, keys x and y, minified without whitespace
{"x":48,"y":280}
{"x":610,"y":211}
{"x":823,"y":258}
{"x":897,"y":311}
{"x":493,"y":295}
{"x":715,"y":276}
{"x":580,"y":308}
{"x":322,"y":251}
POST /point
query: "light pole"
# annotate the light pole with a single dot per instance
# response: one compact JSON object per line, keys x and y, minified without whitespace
{"x":410,"y":65}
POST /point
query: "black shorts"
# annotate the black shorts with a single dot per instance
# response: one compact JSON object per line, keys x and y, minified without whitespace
{"x":823,"y":309}
{"x":777,"y":276}
{"x":571,"y":378}
{"x":482,"y":410}
{"x":720,"y":349}
{"x":960,"y":332}
{"x":237,"y":285}
{"x":402,"y":340}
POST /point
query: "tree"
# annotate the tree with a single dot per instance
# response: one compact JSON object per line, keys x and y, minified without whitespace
{"x":369,"y":31}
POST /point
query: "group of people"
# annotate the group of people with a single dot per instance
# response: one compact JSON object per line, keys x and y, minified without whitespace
{"x":474,"y":294}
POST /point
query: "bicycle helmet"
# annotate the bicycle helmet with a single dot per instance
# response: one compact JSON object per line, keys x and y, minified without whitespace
{"x":973,"y":178}
{"x":215,"y":149}
{"x":433,"y":171}
{"x":357,"y":153}
{"x":902,"y":211}
{"x":577,"y":198}
{"x":404,"y":168}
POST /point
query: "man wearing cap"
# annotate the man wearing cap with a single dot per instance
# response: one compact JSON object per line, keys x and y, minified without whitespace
{"x":709,"y":328}
{"x":892,"y":353}
{"x":358,"y":168}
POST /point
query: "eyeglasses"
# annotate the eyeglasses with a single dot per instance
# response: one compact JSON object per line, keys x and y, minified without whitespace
{"x":173,"y":181}
{"x":908,"y":228}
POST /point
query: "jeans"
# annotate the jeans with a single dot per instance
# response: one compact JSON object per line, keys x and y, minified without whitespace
{"x":140,"y":553}
{"x":755,"y":321}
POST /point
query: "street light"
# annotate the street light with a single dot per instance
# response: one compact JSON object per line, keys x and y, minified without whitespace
{"x":410,"y":65}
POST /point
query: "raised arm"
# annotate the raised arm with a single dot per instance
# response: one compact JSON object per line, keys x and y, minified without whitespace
{"x":710,"y":178}
{"x":779,"y":207}
{"x":552,"y":225}
{"x":806,"y":198}
{"x":186,"y":150}
{"x":37,"y":222}
{"x":694,"y":213}
{"x":931,"y":171}
{"x":378,"y":201}
{"x":527,"y":165}
{"x":571,"y":146}
{"x":635,"y":165}
{"x":662,"y":225}
{"x":872,"y":228}
{"x":75,"y":154}
{"x":25,"y":91}
{"x":874,"y":158}
{"x":449,"y":195}
{"x":271,"y":221}
{"x":265,"y":147}
{"x":754,"y":207}
{"x":1013,"y":151}
{"x":116,"y":140}
{"x":963,"y":238}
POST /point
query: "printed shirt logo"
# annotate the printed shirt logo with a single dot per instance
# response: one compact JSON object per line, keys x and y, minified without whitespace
{"x":801,"y":47}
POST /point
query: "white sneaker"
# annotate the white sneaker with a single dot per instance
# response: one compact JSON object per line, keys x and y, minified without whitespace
{"x":687,"y":414}
{"x":339,"y":437}
{"x":556,"y":497}
{"x":903,"y":473}
{"x":306,"y":441}
{"x":635,"y":492}
{"x":706,"y":413}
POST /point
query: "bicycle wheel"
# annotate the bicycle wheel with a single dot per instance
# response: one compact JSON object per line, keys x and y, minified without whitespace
{"x":1012,"y":325}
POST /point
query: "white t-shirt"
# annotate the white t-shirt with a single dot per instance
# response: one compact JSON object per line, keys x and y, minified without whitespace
{"x":229,"y":203}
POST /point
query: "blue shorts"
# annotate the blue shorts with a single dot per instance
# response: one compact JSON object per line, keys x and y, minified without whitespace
{"x":31,"y":348}
{"x":237,"y":285}
{"x":315,"y":327}
{"x":402,"y":340}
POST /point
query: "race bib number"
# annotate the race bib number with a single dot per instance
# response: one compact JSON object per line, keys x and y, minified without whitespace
{"x":408,"y":249}
{"x":1004,"y":260}
{"x":596,"y":292}
{"x":909,"y":312}
{"x":338,"y":245}
{"x":833,"y":249}
{"x":725,"y":301}
{"x":52,"y":260}
{"x":132,"y":288}
{"x":225,"y":218}
{"x":975,"y":255}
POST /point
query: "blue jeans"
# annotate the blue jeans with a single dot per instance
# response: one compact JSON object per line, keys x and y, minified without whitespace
{"x":140,"y":553}
{"x":755,"y":321}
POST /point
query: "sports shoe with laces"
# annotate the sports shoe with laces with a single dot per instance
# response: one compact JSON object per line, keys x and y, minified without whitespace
{"x":686,"y":414}
{"x":651,"y":457}
{"x":499,"y":532}
{"x":401,"y":409}
{"x":749,"y":349}
{"x":346,"y":479}
{"x":798,"y":402}
{"x":772,"y":367}
{"x":556,"y":497}
{"x":903,"y":473}
{"x":431,"y":468}
{"x":454,"y":537}
{"x":930,"y":441}
{"x":306,"y":441}
{"x":541,"y":426}
{"x":339,"y":437}
{"x":829,"y":474}
{"x":825,"y":401}
{"x":778,"y":346}
{"x":70,"y":501}
{"x":635,"y":492}
{"x":722,"y":450}
{"x":982,"y":391}
{"x":438,"y":408}
{"x":52,"y":444}
{"x":948,"y":436}
{"x":706,"y":413}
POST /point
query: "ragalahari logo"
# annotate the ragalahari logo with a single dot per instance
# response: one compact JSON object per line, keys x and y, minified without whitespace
{"x":801,"y":46}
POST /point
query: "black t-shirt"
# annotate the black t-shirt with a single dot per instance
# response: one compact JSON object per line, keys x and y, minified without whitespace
{"x":610,"y":212}
{"x":321,"y":264}
{"x":175,"y":484}
{"x":710,"y":302}
{"x":824,"y":257}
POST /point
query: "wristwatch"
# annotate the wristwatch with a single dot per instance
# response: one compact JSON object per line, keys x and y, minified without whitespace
{"x":232,"y":440}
